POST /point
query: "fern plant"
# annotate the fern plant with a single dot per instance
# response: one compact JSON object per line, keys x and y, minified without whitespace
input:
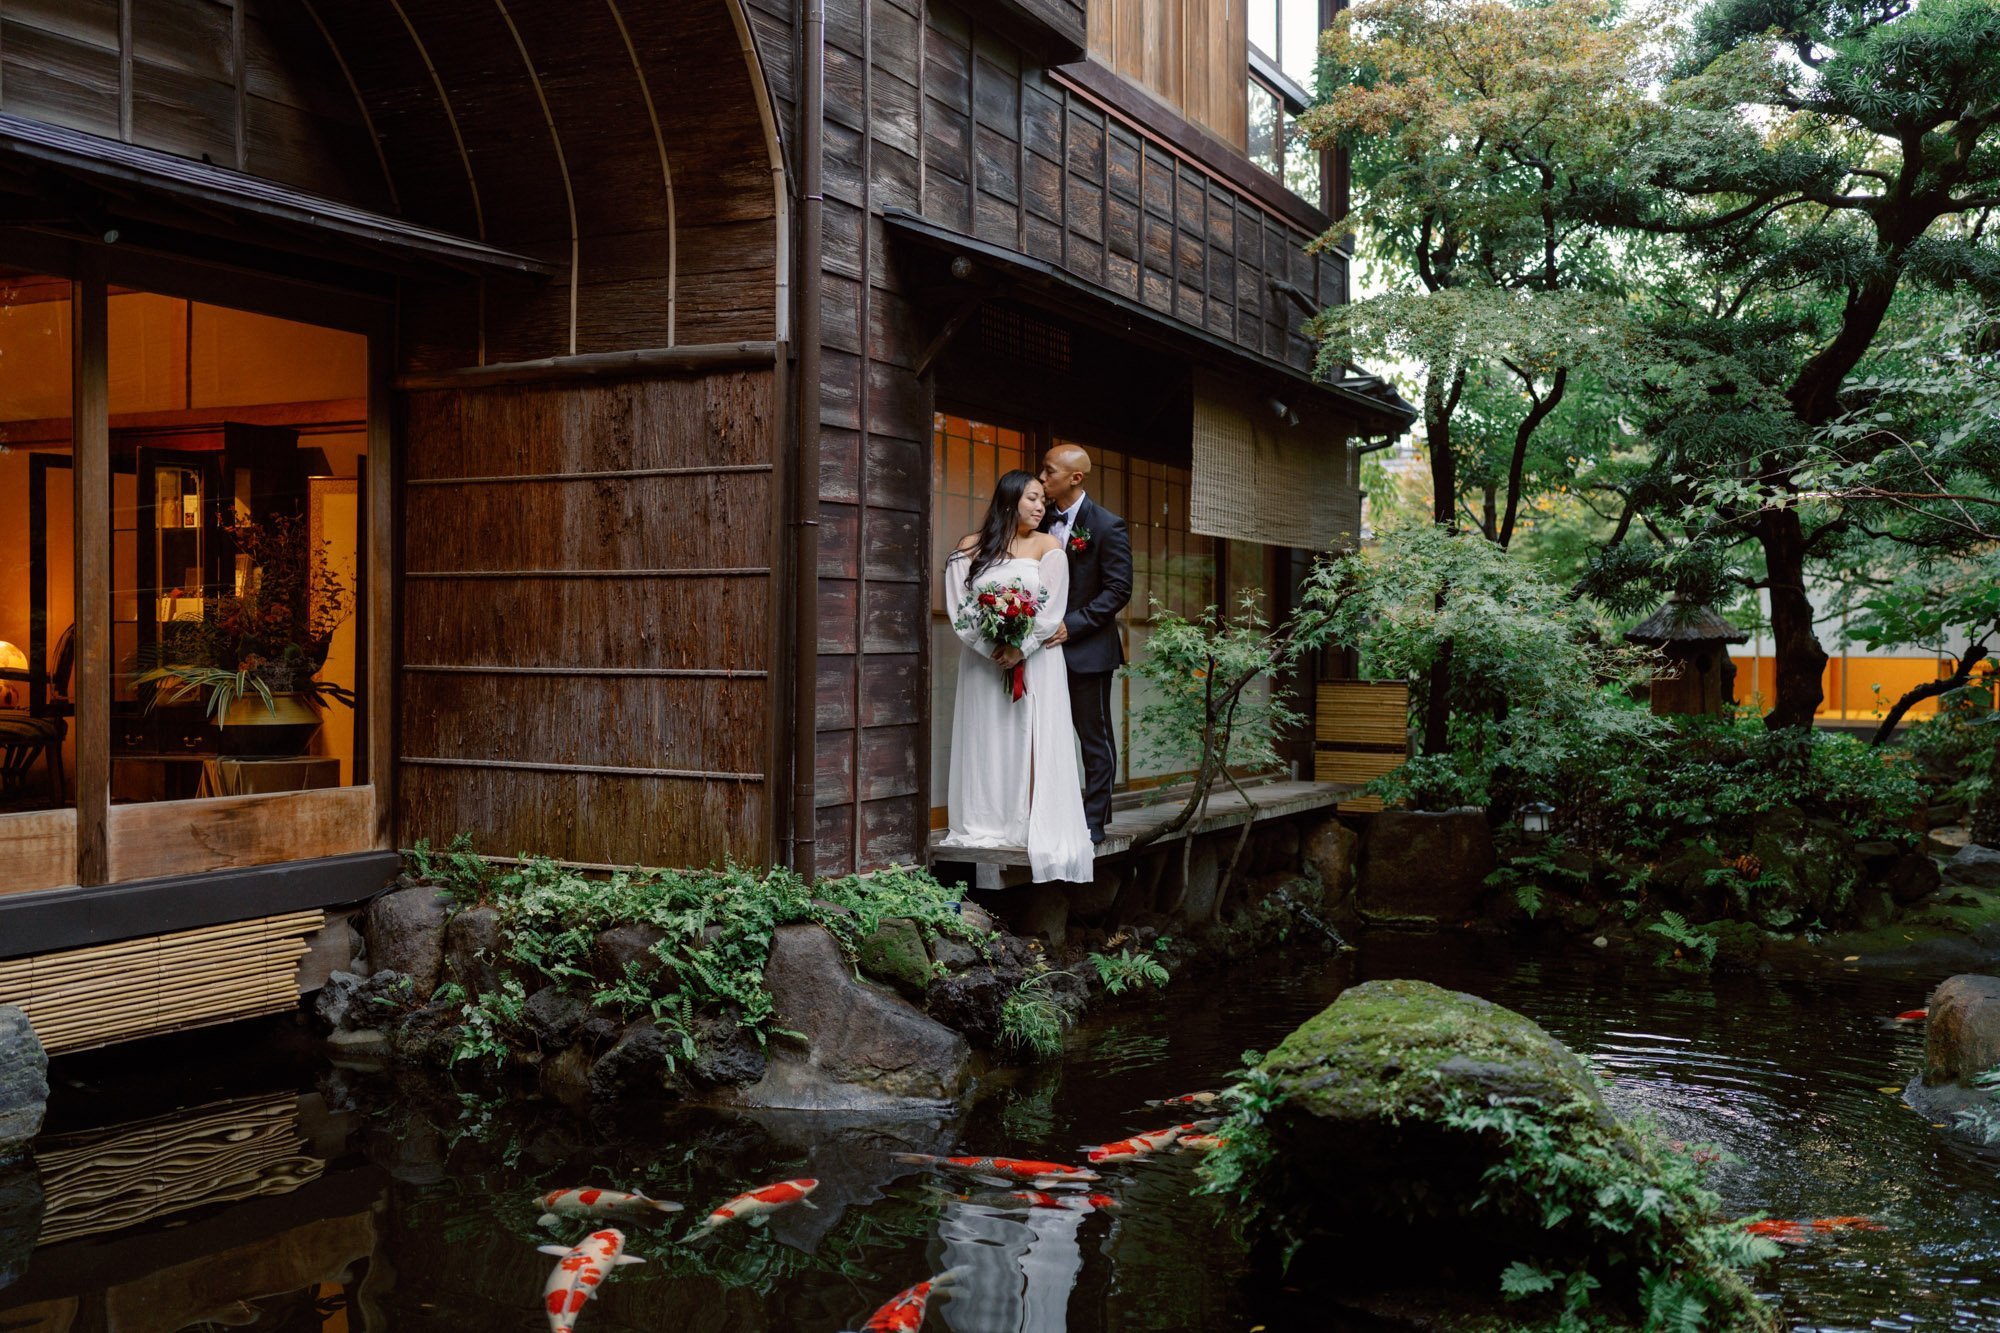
{"x":1129,"y":971}
{"x":1034,"y":1018}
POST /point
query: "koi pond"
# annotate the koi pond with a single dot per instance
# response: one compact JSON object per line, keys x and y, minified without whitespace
{"x":187,"y":1186}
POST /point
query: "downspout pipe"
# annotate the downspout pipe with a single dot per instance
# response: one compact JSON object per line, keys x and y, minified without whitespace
{"x":806,"y":402}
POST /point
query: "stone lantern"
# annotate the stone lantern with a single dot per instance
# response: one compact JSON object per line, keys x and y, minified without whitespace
{"x":1696,"y":680}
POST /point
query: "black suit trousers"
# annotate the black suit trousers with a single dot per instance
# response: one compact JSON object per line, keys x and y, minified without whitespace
{"x":1090,"y":713}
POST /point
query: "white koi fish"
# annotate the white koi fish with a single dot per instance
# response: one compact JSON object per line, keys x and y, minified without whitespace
{"x":599,"y":1203}
{"x":756,"y":1206}
{"x":582,"y":1270}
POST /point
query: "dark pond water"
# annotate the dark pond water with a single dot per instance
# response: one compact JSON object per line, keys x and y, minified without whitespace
{"x":296,"y":1197}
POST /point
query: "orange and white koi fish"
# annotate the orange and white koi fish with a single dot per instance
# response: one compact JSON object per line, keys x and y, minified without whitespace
{"x":1201,"y":1099}
{"x":1011,"y":1168}
{"x":1139,"y":1145}
{"x":1202,"y":1142}
{"x":1069,"y":1203}
{"x":1786,"y":1229}
{"x":756,"y":1206}
{"x":599,"y":1203}
{"x":582,"y":1270}
{"x":1913,"y":1015}
{"x":905,"y":1311}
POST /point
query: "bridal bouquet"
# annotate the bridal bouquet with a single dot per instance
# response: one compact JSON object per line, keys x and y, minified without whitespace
{"x":1004,"y":611}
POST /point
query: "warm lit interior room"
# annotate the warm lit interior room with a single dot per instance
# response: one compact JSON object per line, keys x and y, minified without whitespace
{"x":237,"y":445}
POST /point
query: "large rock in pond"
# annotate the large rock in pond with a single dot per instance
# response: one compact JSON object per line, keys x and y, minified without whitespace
{"x":1962,"y":1035}
{"x":864,"y":1047}
{"x":1974,"y":866}
{"x":21,"y":1207}
{"x":1406,"y":1154}
{"x":24,"y":1083}
{"x":405,"y":933}
{"x":1418,"y":866}
{"x":473,"y":947}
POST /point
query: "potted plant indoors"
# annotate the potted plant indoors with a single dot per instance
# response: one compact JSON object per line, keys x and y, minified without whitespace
{"x":256,"y":651}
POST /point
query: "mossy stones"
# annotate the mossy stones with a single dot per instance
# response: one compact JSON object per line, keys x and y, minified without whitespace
{"x":895,"y":954}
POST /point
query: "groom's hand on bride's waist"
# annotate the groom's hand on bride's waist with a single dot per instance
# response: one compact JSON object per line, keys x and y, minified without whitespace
{"x":1060,"y":636}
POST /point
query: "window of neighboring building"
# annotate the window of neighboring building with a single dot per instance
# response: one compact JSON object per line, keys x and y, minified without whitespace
{"x":1284,"y":51}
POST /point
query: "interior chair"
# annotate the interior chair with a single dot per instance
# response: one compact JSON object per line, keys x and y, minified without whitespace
{"x":38,"y":731}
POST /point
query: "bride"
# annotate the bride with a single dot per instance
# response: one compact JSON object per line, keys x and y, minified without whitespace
{"x":1013,"y":759}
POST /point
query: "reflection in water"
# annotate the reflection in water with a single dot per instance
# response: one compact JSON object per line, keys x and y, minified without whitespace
{"x":345,"y":1202}
{"x":1017,"y":1267}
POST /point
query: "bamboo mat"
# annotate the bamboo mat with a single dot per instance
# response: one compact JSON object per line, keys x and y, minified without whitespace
{"x":82,"y":998}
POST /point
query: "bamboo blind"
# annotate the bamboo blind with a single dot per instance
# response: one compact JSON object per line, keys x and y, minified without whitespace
{"x":1361,"y":730}
{"x":107,"y":1180}
{"x":1258,"y":479}
{"x":81,"y":998}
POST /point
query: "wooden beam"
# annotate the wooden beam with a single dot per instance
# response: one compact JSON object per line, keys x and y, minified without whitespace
{"x":378,"y":641}
{"x":90,"y":412}
{"x":692,"y":360}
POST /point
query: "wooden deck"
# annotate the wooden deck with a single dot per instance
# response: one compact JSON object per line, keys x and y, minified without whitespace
{"x":1274,"y":800}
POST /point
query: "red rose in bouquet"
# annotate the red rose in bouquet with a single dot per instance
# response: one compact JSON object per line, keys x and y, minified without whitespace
{"x":1004,"y":611}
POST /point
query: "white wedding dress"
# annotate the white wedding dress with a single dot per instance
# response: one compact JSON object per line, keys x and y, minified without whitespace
{"x":1014,"y":775}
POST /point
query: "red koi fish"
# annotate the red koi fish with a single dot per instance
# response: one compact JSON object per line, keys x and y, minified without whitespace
{"x":1786,"y":1229}
{"x":582,"y":1270}
{"x":905,"y":1311}
{"x":756,"y":1206}
{"x":1201,"y":1099}
{"x":599,"y":1203}
{"x":1139,"y":1145}
{"x":1913,"y":1015}
{"x":1069,"y":1203}
{"x":1012,"y":1168}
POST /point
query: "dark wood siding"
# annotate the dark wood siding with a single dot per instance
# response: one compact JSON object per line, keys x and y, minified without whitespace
{"x":973,"y":132}
{"x":586,"y":658}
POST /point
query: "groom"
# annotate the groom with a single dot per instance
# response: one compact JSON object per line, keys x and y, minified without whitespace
{"x":1100,"y":583}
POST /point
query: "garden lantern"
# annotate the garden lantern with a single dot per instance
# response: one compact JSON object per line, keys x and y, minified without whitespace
{"x":1534,"y":818}
{"x":1696,"y":643}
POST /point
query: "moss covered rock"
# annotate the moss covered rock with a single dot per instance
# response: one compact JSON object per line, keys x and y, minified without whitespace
{"x":1417,"y":1140}
{"x":895,"y":954}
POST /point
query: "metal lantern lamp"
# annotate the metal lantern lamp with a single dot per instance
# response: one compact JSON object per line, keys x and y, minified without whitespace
{"x":1535,"y":820}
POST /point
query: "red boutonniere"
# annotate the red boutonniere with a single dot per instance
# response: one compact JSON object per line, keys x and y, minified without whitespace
{"x":1079,"y":541}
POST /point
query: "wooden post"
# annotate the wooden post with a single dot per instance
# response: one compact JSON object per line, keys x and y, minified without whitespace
{"x":90,"y":410}
{"x":378,"y":505}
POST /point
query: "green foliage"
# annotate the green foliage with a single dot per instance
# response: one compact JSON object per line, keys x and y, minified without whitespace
{"x":1662,"y":1231}
{"x":1530,"y":687}
{"x":1189,"y":714}
{"x":1129,"y":971}
{"x":1034,"y":1018}
{"x":717,"y":926}
{"x":1693,"y":947}
{"x":1529,"y":874}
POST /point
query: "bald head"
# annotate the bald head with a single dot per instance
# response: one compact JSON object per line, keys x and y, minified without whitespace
{"x":1064,"y":470}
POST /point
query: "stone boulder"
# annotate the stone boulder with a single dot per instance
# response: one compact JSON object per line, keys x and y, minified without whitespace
{"x":628,"y":946}
{"x":1331,"y":850}
{"x":405,"y":933}
{"x":350,"y":1003}
{"x":864,"y":1046}
{"x":473,"y":948}
{"x":1417,"y":866}
{"x":1913,"y":877}
{"x":24,"y":1083}
{"x":637,"y":1062}
{"x":895,"y":954}
{"x":969,"y":1002}
{"x":1962,"y":1036}
{"x":1974,"y":866}
{"x":1362,"y":1168}
{"x":21,"y":1206}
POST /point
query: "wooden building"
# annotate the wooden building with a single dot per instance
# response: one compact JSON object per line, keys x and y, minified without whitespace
{"x":629,"y":366}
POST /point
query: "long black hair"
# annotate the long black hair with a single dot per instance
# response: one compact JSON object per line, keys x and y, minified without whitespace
{"x":996,"y":534}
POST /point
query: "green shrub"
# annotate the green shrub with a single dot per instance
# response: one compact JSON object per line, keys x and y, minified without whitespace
{"x":1129,"y":971}
{"x":1034,"y":1018}
{"x":716,"y":924}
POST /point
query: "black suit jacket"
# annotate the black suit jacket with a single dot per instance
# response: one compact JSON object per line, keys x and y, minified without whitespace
{"x":1100,"y":583}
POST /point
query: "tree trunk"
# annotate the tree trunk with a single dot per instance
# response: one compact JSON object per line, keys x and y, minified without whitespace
{"x":1440,"y":401}
{"x":1930,"y":689}
{"x":1437,"y":704}
{"x":1800,"y":661}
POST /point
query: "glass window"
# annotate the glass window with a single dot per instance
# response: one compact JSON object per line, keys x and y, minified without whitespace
{"x":37,"y":554}
{"x":1298,"y":41}
{"x":1266,"y":125}
{"x":1264,"y":27}
{"x":237,"y":444}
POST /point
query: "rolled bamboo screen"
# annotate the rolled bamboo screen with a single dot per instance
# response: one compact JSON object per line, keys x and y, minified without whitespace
{"x":82,"y":998}
{"x":1261,"y":478}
